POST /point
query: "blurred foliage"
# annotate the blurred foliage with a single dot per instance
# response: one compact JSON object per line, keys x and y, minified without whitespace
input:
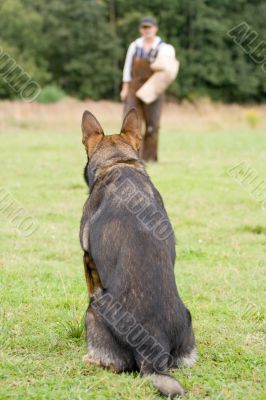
{"x":253,"y":117}
{"x":51,"y":94}
{"x":80,"y":45}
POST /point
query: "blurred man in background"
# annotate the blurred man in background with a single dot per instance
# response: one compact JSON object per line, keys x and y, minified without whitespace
{"x":138,"y":69}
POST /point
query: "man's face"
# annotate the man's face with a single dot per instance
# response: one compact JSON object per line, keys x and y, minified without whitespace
{"x":148,"y":32}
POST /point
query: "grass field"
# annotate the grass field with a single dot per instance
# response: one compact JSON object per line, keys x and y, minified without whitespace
{"x":220,"y":267}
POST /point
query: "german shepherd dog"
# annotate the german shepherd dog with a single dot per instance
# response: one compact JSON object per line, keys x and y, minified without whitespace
{"x":135,"y":320}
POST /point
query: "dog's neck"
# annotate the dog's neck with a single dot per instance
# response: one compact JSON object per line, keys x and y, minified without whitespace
{"x":94,"y":173}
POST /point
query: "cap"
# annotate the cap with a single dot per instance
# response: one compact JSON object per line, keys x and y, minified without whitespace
{"x":148,"y":21}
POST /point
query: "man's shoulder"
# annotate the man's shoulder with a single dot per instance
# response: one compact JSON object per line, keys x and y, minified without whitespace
{"x":136,"y":43}
{"x":167,"y":49}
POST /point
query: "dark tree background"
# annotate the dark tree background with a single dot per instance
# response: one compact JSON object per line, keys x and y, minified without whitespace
{"x":80,"y":45}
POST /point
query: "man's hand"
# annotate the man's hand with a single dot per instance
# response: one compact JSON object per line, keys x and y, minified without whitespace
{"x":124,"y":91}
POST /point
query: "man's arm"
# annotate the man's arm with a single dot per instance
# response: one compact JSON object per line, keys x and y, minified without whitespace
{"x":127,"y":71}
{"x":166,"y":50}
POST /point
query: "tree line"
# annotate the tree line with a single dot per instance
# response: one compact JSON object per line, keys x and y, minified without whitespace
{"x":79,"y":46}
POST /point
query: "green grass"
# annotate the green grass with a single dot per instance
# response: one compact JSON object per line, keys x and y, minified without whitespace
{"x":220,"y":267}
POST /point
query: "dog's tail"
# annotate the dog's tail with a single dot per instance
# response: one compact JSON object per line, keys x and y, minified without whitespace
{"x":166,"y":385}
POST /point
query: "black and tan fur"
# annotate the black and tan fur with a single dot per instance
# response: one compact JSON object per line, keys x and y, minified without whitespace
{"x":126,"y":261}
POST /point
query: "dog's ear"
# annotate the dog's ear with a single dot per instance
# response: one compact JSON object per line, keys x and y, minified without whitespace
{"x":92,"y":132}
{"x":130,"y":130}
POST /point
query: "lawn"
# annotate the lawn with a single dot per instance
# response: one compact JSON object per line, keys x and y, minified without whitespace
{"x":220,"y":268}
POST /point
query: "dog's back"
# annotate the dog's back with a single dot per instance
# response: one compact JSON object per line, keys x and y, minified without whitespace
{"x":136,"y":314}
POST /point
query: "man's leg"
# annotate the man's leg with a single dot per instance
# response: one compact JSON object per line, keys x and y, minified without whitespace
{"x":133,"y":102}
{"x":152,"y":115}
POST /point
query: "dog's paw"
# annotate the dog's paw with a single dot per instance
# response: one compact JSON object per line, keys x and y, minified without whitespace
{"x":188,"y":360}
{"x":87,"y":359}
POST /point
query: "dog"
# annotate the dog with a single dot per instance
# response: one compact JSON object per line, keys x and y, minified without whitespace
{"x":135,"y":320}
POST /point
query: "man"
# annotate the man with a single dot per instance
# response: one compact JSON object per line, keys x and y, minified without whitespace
{"x":137,"y":70}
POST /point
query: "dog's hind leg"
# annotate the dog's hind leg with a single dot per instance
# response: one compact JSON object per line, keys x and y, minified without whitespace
{"x":103,"y":347}
{"x":187,"y":360}
{"x":185,"y":355}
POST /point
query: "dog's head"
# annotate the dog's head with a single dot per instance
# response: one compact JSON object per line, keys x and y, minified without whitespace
{"x":103,"y":148}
